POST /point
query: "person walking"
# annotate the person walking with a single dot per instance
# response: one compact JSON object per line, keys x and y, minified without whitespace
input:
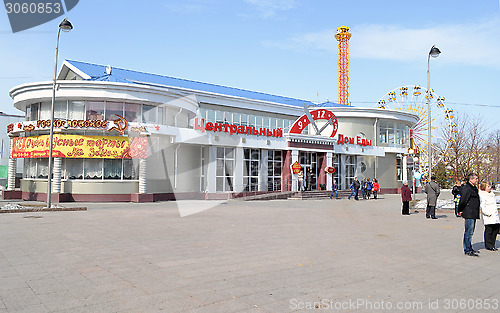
{"x":468,"y":209}
{"x":406,"y":198}
{"x":369,"y":187}
{"x":363,"y":188}
{"x":491,"y":218}
{"x":334,"y":189}
{"x":356,"y":185}
{"x":456,"y":194}
{"x":301,"y":180}
{"x":376,"y":188}
{"x":309,"y":179}
{"x":432,"y":190}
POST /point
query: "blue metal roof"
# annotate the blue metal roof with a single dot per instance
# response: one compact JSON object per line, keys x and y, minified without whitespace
{"x":98,"y":73}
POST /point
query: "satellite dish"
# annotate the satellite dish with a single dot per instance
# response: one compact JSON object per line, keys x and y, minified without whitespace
{"x":108,"y":69}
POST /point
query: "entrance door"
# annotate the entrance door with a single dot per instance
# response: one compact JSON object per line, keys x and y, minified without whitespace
{"x":309,"y":161}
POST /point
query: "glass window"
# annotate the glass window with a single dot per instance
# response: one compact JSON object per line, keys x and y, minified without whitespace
{"x":219,"y":116}
{"x":132,"y":112}
{"x":210,"y":116}
{"x":112,"y":168}
{"x":399,"y":168}
{"x":251,"y":169}
{"x":244,"y":119}
{"x":160,"y":116}
{"x":35,"y":108}
{"x":225,"y":169}
{"x":149,"y":114}
{"x":112,"y":110}
{"x":130,"y":169}
{"x":74,"y":168}
{"x":60,"y":110}
{"x":95,"y":110}
{"x":93,"y":168}
{"x":274,"y":168}
{"x":28,"y":113}
{"x":350,"y":169}
{"x":76,"y":110}
{"x":45,"y":111}
{"x":42,"y":168}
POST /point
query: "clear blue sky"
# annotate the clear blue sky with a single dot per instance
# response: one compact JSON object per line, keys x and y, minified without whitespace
{"x":283,"y":47}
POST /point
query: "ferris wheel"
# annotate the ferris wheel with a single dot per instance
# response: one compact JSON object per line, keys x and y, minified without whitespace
{"x":413,"y":99}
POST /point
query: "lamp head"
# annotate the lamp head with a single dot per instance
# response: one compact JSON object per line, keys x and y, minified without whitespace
{"x":65,"y":25}
{"x":434,"y":52}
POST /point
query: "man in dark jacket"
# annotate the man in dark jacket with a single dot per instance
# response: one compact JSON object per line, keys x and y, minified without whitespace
{"x":468,"y":208}
{"x":356,"y":186}
{"x":432,"y":190}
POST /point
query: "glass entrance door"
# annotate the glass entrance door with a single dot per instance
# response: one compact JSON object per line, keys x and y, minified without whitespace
{"x":309,"y":163}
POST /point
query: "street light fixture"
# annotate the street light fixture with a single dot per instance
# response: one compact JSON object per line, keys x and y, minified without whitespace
{"x":66,"y":27}
{"x":433,"y":53}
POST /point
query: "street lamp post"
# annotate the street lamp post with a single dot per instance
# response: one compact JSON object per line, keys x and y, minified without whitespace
{"x":434,"y":53}
{"x":64,"y":26}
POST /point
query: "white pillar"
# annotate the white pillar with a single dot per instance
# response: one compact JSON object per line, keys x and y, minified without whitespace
{"x":329,"y":177}
{"x":11,"y":178}
{"x":238,"y":170}
{"x":212,"y":169}
{"x":56,"y":179}
{"x":264,"y":157}
{"x":295,"y":178}
{"x":143,"y":171}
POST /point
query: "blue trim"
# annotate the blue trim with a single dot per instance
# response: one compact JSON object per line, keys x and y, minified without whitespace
{"x":98,"y":73}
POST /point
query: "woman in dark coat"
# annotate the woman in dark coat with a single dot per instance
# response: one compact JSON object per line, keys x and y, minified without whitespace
{"x":406,"y":198}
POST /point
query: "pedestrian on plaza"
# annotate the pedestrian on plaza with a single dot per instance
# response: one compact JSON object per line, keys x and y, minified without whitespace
{"x":369,"y":187}
{"x":301,"y":180}
{"x":376,"y":188}
{"x":432,"y":190}
{"x":468,"y":209}
{"x":491,"y":218}
{"x":309,"y":178}
{"x":363,"y":188}
{"x":406,"y":198}
{"x":334,"y":189}
{"x":456,"y":194}
{"x":356,"y":185}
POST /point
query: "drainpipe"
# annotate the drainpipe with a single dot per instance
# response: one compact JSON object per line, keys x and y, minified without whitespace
{"x":175,"y":164}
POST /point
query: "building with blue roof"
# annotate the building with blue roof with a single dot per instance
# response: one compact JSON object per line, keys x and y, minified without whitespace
{"x":125,"y":135}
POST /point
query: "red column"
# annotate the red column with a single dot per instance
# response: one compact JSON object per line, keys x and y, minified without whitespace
{"x":286,"y":175}
{"x":321,"y":169}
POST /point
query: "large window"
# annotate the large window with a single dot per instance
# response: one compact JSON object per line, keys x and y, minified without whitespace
{"x":86,"y":169}
{"x":274,"y":168}
{"x":394,"y":134}
{"x":350,"y":169}
{"x":251,"y":161}
{"x":96,"y":110}
{"x":336,"y":165}
{"x":202,"y":168}
{"x":218,"y":116}
{"x":308,"y":160}
{"x":225,"y":169}
{"x":399,"y":168}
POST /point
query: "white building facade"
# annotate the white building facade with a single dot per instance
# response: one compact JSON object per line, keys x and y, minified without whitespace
{"x":122,"y":135}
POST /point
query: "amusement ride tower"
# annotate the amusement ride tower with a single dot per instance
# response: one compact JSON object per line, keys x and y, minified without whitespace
{"x":343,"y":35}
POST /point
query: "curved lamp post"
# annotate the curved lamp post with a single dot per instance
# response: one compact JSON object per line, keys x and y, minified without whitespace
{"x":66,"y":27}
{"x":433,"y":53}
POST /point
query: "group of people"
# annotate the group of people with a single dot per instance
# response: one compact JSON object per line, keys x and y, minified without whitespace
{"x":308,"y":182}
{"x":470,"y":204}
{"x":366,"y":186}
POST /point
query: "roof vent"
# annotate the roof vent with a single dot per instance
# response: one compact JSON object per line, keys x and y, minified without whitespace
{"x":108,"y":69}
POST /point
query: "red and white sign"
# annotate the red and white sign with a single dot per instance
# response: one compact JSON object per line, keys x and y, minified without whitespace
{"x":321,"y":114}
{"x":296,"y":167}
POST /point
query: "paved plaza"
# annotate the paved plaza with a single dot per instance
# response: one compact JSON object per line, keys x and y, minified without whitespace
{"x":260,"y":256}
